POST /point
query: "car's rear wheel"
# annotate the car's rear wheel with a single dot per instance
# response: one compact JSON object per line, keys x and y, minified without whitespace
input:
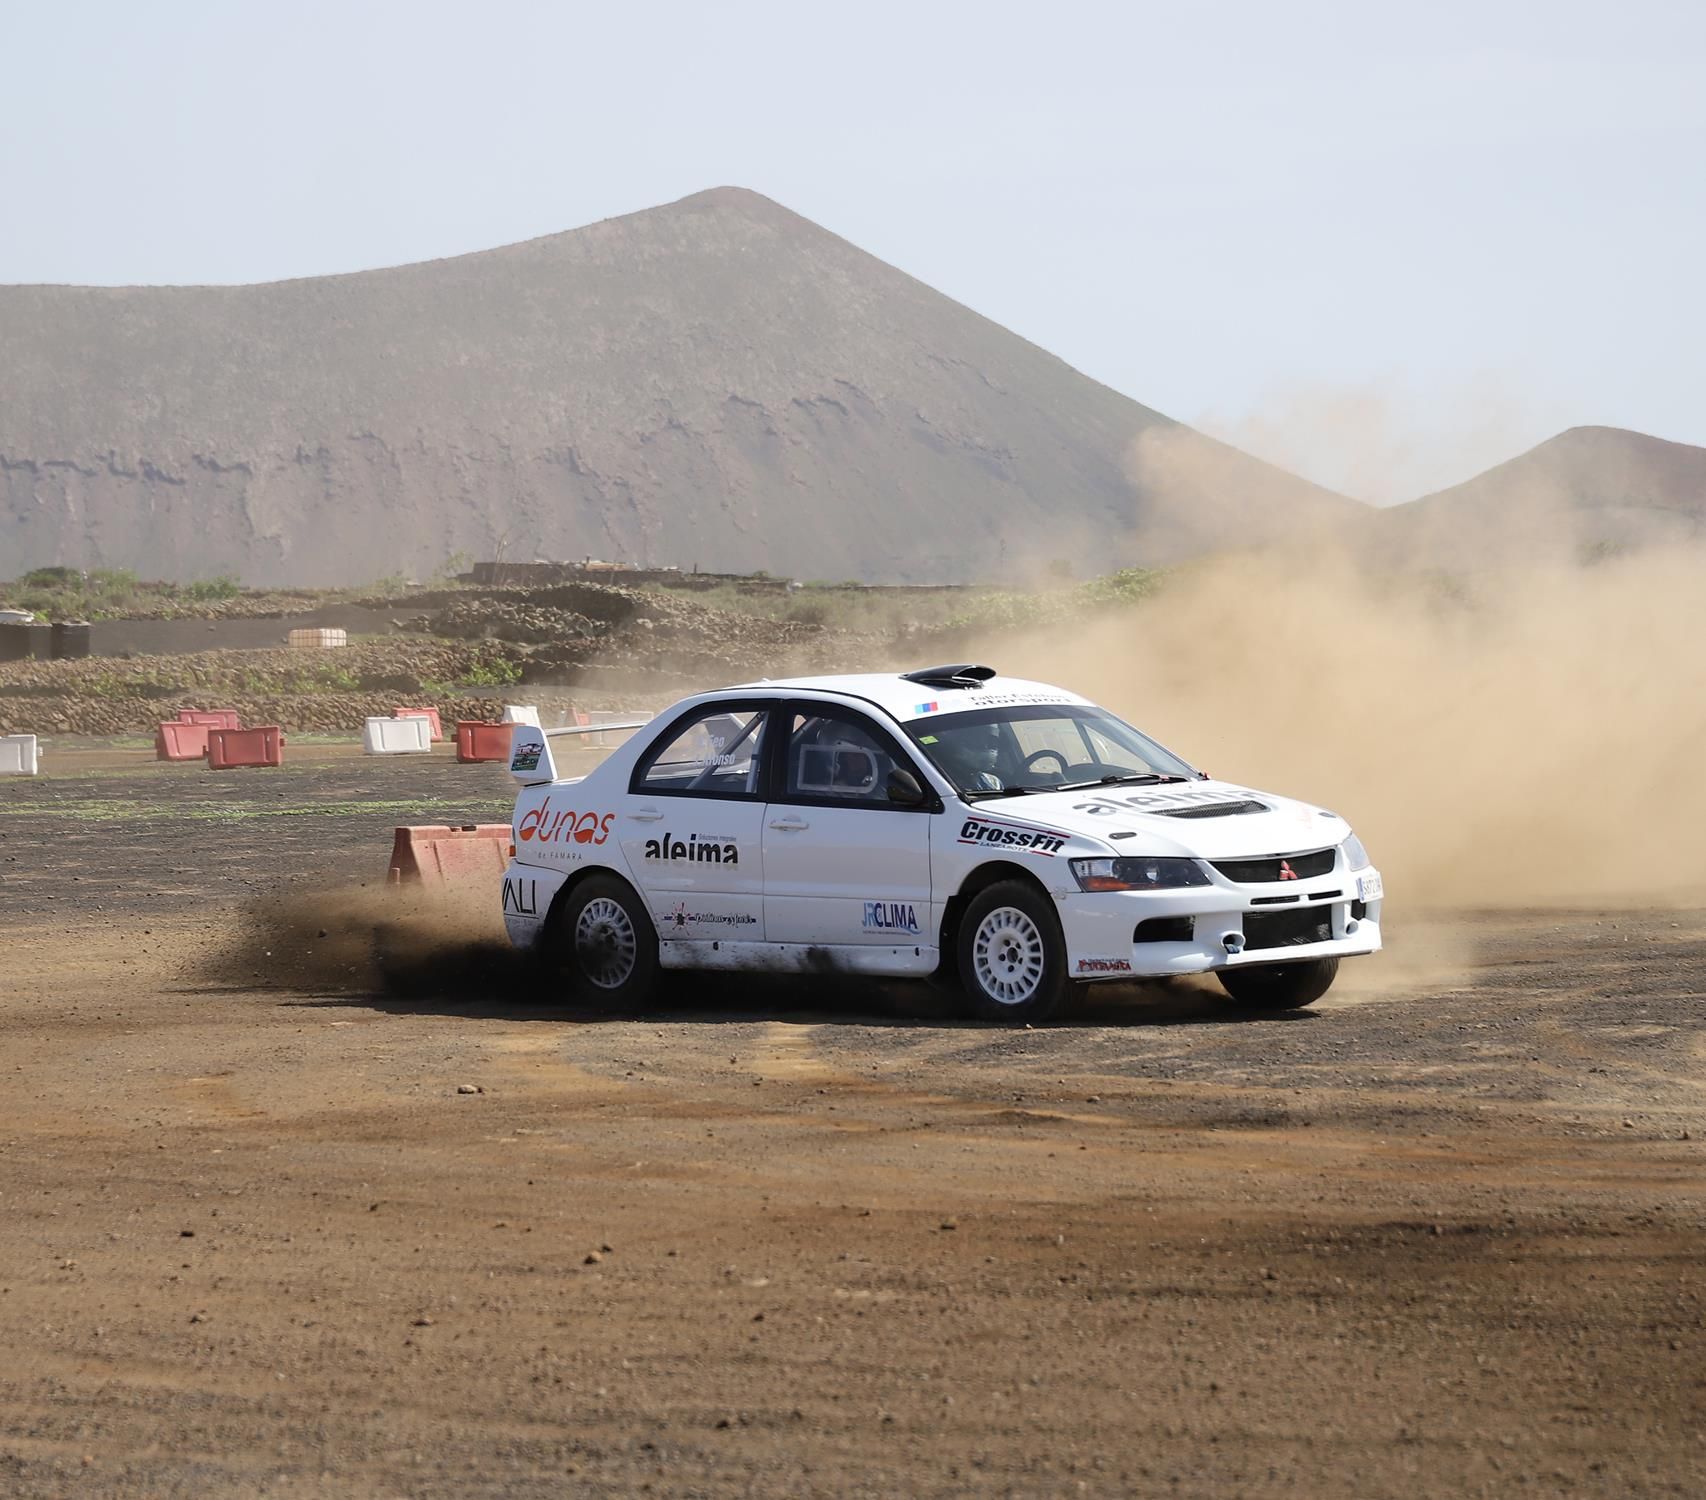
{"x":1280,"y":986}
{"x":608,"y":942}
{"x":1012,"y":956}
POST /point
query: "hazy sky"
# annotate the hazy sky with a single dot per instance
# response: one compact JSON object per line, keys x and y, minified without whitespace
{"x":1383,"y":244}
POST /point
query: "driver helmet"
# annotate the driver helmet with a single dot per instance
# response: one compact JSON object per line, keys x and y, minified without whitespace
{"x":972,"y":755}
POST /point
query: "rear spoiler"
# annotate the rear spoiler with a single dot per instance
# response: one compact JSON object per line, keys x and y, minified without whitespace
{"x":530,"y":759}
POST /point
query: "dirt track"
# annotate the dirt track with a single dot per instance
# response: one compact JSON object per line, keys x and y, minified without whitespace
{"x":1441,"y":1235}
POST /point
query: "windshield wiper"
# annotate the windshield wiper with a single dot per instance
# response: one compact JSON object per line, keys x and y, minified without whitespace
{"x":1146,"y":778}
{"x":1006,"y":791}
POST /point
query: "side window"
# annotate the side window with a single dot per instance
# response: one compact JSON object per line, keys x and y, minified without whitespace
{"x":838,"y":757}
{"x":715,"y":754}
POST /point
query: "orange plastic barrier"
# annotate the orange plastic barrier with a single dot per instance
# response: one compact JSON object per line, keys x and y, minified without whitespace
{"x":422,"y":713}
{"x":214,"y":718}
{"x":475,"y":851}
{"x":181,"y":741}
{"x":229,"y":748}
{"x":478,"y":740}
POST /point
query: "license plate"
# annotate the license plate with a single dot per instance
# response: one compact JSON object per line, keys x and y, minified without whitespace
{"x":1369,"y":887}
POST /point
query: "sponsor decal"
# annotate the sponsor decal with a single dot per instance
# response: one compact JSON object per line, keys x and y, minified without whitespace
{"x":564,"y":826}
{"x":984,"y":699}
{"x":712,"y":849}
{"x":1011,"y":836}
{"x":891,"y":916}
{"x":1103,"y":966}
{"x":1153,"y":801}
{"x":680,"y":918}
{"x":521,"y":896}
{"x":527,"y":755}
{"x":987,"y":699}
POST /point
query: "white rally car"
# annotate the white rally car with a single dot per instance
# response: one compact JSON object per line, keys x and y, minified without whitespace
{"x":945,"y":822}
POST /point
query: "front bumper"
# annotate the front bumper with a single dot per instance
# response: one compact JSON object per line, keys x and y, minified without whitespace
{"x":1220,"y":926}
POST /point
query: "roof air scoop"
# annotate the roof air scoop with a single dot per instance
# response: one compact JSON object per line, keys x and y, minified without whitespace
{"x":959,"y":675}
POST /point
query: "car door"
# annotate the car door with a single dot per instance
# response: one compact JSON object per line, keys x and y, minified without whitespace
{"x":843,"y":865}
{"x":692,"y":829}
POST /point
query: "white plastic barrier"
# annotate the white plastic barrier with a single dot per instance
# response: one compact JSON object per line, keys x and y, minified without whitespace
{"x":18,"y":755}
{"x":521,"y":713}
{"x":605,"y":716}
{"x":397,"y":737}
{"x":317,"y":640}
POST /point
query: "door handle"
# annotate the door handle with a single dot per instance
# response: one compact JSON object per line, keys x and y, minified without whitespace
{"x":645,"y":815}
{"x":789,"y":825}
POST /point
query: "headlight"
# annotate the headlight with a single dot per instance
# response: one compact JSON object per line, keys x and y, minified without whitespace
{"x":1356,"y":857}
{"x":1136,"y":874}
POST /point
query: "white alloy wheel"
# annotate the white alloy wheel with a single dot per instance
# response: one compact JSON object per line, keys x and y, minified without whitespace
{"x":605,"y":943}
{"x":1008,"y":956}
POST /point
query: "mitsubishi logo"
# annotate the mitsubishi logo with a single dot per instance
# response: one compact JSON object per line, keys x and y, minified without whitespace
{"x":1286,"y":871}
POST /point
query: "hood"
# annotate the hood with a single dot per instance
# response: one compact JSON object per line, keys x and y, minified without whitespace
{"x":1201,"y":819}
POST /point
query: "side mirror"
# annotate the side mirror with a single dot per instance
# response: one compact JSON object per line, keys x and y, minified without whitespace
{"x":904,"y":790}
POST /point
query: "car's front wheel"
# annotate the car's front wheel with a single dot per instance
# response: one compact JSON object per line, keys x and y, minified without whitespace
{"x":1012,"y":955}
{"x":1280,"y":986}
{"x":608,"y":941}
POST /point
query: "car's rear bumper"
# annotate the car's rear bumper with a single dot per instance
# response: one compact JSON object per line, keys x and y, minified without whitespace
{"x":1127,"y":934}
{"x":528,"y":891}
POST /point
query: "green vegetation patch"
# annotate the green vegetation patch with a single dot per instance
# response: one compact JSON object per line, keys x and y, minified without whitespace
{"x":133,"y":810}
{"x":910,"y":612}
{"x":110,"y":594}
{"x":1014,"y":610}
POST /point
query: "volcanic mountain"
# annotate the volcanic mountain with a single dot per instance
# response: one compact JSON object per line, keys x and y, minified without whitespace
{"x":717,"y":382}
{"x":1585,"y":492}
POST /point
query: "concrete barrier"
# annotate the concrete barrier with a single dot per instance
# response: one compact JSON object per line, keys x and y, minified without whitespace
{"x":473,"y":851}
{"x":181,"y":741}
{"x":33,"y":642}
{"x":411,"y":736}
{"x":479,"y":740}
{"x":19,"y":755}
{"x":228,"y":749}
{"x":429,"y":714}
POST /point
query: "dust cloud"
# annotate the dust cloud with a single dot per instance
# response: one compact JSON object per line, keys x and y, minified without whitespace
{"x":367,"y":939}
{"x":1388,"y":439}
{"x":1528,"y":736}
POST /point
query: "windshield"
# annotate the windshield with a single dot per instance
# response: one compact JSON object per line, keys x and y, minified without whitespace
{"x":1044,"y":747}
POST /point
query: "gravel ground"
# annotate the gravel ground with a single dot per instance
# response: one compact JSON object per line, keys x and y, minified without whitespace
{"x":282,"y":1219}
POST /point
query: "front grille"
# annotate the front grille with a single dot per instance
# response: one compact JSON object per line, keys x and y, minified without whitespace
{"x":1215,"y":810}
{"x":1286,"y":929}
{"x":1267,"y":871}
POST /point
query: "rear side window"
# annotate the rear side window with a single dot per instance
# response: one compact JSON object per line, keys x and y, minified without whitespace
{"x":716,"y":753}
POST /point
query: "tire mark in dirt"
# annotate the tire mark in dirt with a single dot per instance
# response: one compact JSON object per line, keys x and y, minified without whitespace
{"x":215,"y":1095}
{"x":784,"y":1050}
{"x":538,"y":1061}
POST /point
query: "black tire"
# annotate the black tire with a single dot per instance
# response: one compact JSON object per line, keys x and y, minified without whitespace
{"x":605,"y":939}
{"x":1012,"y":957}
{"x":1280,"y":986}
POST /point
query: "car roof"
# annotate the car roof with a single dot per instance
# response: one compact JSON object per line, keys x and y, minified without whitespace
{"x":904,"y":699}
